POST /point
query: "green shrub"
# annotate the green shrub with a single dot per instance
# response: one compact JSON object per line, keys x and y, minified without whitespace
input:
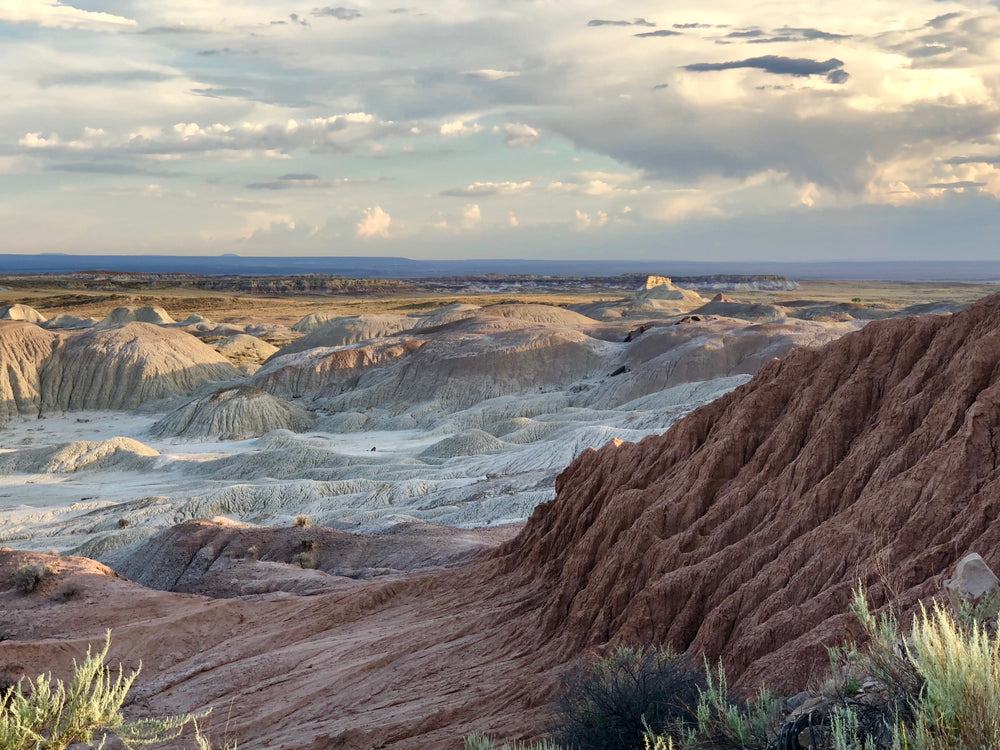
{"x":611,"y":703}
{"x":483,"y":742}
{"x":28,"y":576}
{"x":304,"y":560}
{"x":50,"y":715}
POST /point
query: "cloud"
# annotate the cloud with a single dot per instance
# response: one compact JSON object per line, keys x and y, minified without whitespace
{"x":106,"y":77}
{"x":374,"y":224}
{"x":345,"y":133}
{"x":659,"y":32}
{"x":585,"y":220}
{"x":518,"y":135}
{"x":488,"y":74}
{"x":341,"y":14}
{"x":634,"y":22}
{"x":597,"y":184}
{"x":458,"y":129}
{"x":792,"y":66}
{"x":803,"y":34}
{"x":471,"y":216}
{"x":958,"y":185}
{"x":111,"y":169}
{"x":306,"y":180}
{"x":59,"y":15}
{"x":478,"y":189}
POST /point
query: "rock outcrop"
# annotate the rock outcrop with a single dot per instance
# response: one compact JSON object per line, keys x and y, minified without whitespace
{"x":740,"y":532}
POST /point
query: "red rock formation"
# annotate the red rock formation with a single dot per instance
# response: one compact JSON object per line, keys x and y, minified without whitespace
{"x":740,"y":532}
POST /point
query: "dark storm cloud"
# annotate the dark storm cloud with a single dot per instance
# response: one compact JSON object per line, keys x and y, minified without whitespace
{"x":956,"y":185}
{"x":660,"y":32}
{"x":789,"y":66}
{"x":341,"y":14}
{"x":635,"y":22}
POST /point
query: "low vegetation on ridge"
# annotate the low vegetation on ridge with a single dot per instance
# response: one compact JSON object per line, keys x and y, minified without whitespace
{"x":47,"y":714}
{"x":935,"y":687}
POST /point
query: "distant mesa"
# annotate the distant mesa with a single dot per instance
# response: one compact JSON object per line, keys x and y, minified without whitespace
{"x":661,"y":287}
{"x":21,"y":312}
{"x":237,"y":413}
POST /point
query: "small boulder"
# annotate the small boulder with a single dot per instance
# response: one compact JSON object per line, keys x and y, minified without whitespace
{"x":974,"y":585}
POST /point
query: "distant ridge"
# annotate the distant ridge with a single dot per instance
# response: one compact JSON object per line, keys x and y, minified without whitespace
{"x":407,"y":268}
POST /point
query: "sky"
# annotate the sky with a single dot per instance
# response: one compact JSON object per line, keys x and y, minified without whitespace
{"x":710,"y":130}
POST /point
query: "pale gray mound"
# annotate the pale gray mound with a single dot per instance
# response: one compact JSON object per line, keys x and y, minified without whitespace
{"x":754,"y":313}
{"x":345,"y":331}
{"x":70,"y":322}
{"x":447,"y":314}
{"x":312,"y":321}
{"x":125,"y":367}
{"x":273,"y":333}
{"x":24,"y":348}
{"x":468,"y":443}
{"x":116,"y":454}
{"x":242,"y":348}
{"x":194,"y":319}
{"x":21,"y":312}
{"x":236,"y":413}
{"x":547,"y":315}
{"x":451,"y":370}
{"x":132,"y":314}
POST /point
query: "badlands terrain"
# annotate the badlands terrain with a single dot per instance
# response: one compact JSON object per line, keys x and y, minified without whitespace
{"x":163,"y":459}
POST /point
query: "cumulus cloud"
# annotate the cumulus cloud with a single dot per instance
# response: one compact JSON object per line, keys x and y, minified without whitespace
{"x":779,"y":65}
{"x":518,"y":135}
{"x":341,"y":14}
{"x":375,"y":223}
{"x":459,"y":129}
{"x":345,"y":133}
{"x":584,"y":220}
{"x":471,"y":216}
{"x":477,"y":189}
